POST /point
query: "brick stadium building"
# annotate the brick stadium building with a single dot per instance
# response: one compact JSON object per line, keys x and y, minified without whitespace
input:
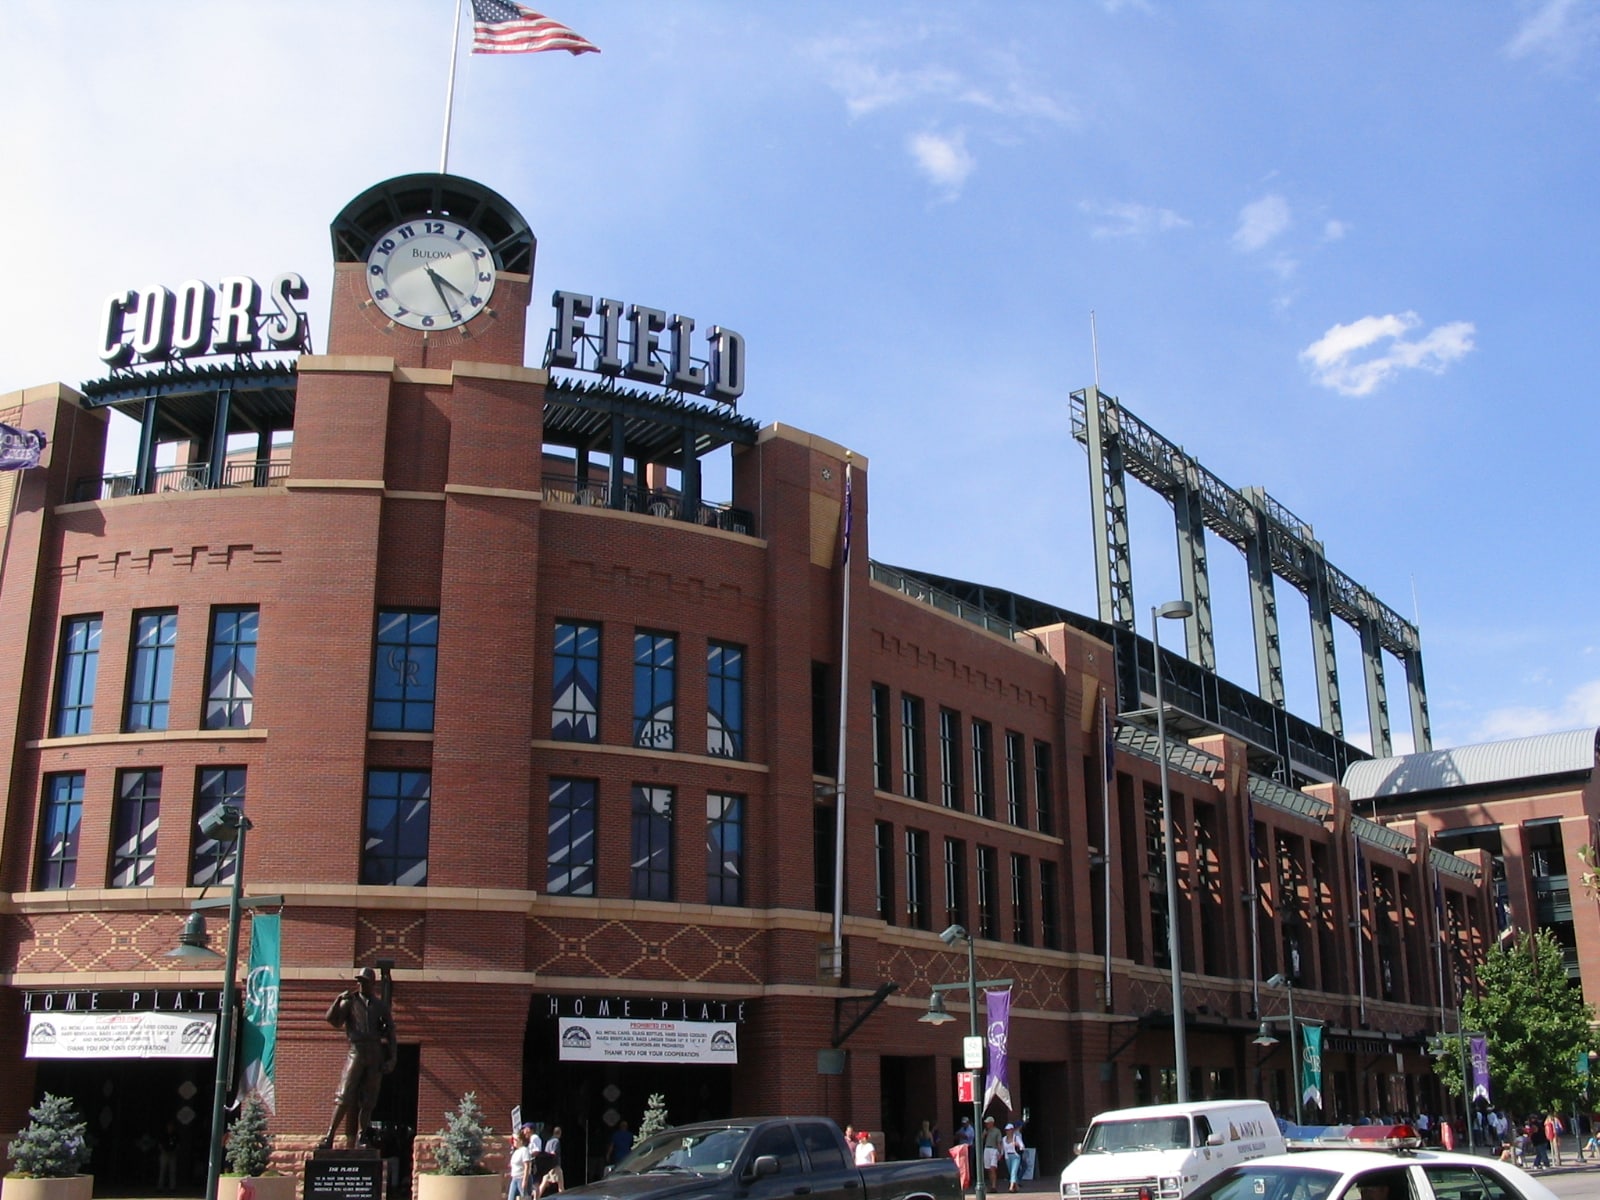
{"x":508,"y":703}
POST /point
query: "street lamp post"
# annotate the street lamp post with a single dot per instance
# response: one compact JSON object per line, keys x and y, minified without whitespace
{"x":1172,"y":610}
{"x":936,"y":1015}
{"x":1287,"y":984}
{"x":226,"y":823}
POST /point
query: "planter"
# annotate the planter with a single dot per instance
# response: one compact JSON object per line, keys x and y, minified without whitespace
{"x":262,"y":1187}
{"x":460,"y":1187}
{"x":70,"y":1187}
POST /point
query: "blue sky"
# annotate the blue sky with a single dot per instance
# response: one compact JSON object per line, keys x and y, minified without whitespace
{"x":1346,"y":252}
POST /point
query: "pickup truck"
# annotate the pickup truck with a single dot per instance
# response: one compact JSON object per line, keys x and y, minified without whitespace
{"x":754,"y":1158}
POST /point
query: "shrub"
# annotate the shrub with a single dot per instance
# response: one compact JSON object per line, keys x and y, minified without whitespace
{"x":249,"y":1144}
{"x":51,"y":1145}
{"x":655,"y":1115}
{"x":460,"y":1148}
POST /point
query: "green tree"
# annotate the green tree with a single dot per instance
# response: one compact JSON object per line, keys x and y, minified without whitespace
{"x":249,"y":1143}
{"x":52,"y":1144}
{"x":1536,"y":1022}
{"x":460,"y":1149}
{"x":655,"y":1115}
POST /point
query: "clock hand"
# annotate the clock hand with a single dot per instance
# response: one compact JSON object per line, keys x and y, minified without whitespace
{"x":438,"y":281}
{"x":441,"y":279}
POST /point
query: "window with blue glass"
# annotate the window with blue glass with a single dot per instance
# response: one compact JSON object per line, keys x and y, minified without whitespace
{"x":215,"y":788}
{"x":403,"y":671}
{"x":231,"y":668}
{"x":724,"y":700}
{"x":80,"y":665}
{"x":137,"y":820}
{"x":394,"y":849}
{"x":58,"y":849}
{"x":570,"y":851}
{"x":650,"y":864}
{"x":724,"y":848}
{"x":155,"y":642}
{"x":655,"y":689}
{"x":575,"y":698}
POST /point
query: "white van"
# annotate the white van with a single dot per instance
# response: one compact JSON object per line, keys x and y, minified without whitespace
{"x":1166,"y":1151}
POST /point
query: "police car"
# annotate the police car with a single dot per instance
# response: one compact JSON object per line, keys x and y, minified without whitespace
{"x":1373,"y":1163}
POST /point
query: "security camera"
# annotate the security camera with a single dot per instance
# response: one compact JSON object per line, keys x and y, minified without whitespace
{"x":953,"y":935}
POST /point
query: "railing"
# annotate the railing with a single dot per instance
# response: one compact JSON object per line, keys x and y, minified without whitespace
{"x":916,"y":589}
{"x":190,"y":477}
{"x":563,"y":489}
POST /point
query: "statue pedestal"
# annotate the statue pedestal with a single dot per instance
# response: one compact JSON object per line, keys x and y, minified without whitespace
{"x":344,"y":1175}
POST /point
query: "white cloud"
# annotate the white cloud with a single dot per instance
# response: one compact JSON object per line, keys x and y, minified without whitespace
{"x":1334,"y":230}
{"x":1578,"y":709}
{"x":943,"y":158}
{"x":1125,"y":219}
{"x":857,"y":69}
{"x":1558,"y":31}
{"x":1354,"y":359}
{"x":1260,"y":221}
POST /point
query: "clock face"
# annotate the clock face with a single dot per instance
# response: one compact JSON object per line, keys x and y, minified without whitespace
{"x":430,"y":274}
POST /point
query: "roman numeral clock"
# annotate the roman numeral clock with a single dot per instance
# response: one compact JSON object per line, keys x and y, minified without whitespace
{"x":437,"y":256}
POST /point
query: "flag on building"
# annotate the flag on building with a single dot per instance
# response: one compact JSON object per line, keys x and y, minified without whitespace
{"x":501,"y":27}
{"x":258,"y":1036}
{"x":997,"y":1007}
{"x":20,"y":448}
{"x":844,"y":558}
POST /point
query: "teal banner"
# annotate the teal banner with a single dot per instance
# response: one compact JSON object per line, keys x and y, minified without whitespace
{"x":1311,"y":1065}
{"x":258,"y":1036}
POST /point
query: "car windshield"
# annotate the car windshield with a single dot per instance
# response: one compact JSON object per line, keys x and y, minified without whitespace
{"x":702,"y":1151}
{"x":1145,"y":1133}
{"x":1268,"y":1183}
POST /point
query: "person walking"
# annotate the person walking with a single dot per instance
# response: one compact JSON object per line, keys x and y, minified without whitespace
{"x":1538,"y":1141}
{"x":1554,"y":1128}
{"x":991,"y":1152}
{"x":1011,"y":1144}
{"x":521,"y":1166}
{"x":925,"y":1141}
{"x":866,"y":1152}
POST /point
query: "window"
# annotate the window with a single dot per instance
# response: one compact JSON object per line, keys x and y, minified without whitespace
{"x":155,"y":640}
{"x":1464,"y":1183}
{"x":913,"y":771}
{"x":724,"y":849}
{"x":652,"y":843}
{"x":955,"y":882}
{"x":1016,"y":778}
{"x":403,"y":671}
{"x":80,"y":664}
{"x":1049,"y":906}
{"x":883,"y":856}
{"x":655,"y":688}
{"x":575,"y":699}
{"x":724,"y":700}
{"x":778,"y":1141}
{"x":988,"y":895}
{"x":58,"y":848}
{"x":919,"y":913}
{"x":950,"y":758}
{"x":882,"y":775}
{"x":822,"y":1147}
{"x":213,"y":858}
{"x":138,"y":818}
{"x":1043,"y":795}
{"x":982,"y":769}
{"x":395,"y":849}
{"x":231,"y":675}
{"x":1021,"y":914}
{"x":569,"y":852}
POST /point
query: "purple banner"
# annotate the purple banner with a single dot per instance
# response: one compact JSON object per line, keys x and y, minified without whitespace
{"x":20,"y":448}
{"x":1478,"y":1050}
{"x":997,"y":1005}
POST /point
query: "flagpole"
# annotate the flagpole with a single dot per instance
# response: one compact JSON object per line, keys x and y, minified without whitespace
{"x":838,"y":777}
{"x":450,"y":92}
{"x":1255,"y":903}
{"x":1107,"y":741}
{"x":1360,"y":922}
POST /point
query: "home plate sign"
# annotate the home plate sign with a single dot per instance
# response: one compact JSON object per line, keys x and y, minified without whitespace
{"x":605,"y":1039}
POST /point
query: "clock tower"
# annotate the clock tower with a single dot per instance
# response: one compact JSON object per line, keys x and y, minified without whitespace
{"x":431,"y":269}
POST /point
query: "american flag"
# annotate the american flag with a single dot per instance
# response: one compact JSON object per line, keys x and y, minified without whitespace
{"x":500,"y":27}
